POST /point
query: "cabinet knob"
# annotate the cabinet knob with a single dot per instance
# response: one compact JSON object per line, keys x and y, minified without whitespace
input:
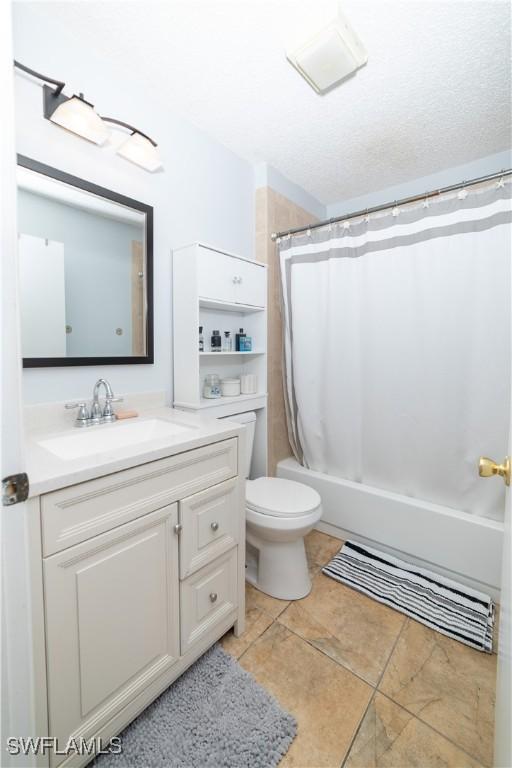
{"x":214,"y":526}
{"x":213,"y":596}
{"x":178,"y":528}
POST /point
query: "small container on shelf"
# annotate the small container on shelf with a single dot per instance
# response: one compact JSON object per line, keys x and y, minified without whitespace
{"x":211,"y":387}
{"x":201,"y":339}
{"x":227,"y":342}
{"x":216,"y":342}
{"x":248,"y":384}
{"x":239,"y":340}
{"x":246,"y":344}
{"x":230,"y":387}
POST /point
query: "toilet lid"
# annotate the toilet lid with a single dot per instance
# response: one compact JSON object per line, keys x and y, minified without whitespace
{"x":281,"y":498}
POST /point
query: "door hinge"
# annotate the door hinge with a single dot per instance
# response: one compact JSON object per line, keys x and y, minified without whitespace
{"x":14,"y":489}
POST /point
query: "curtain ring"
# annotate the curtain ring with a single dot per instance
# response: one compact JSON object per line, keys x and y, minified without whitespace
{"x":462,"y":194}
{"x":367,"y":216}
{"x":396,"y":210}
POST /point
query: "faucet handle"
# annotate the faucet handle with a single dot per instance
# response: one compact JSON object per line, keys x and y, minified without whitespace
{"x":108,"y":411}
{"x":82,"y":417}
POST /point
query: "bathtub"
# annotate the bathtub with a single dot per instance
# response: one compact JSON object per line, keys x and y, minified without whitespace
{"x":461,"y":546}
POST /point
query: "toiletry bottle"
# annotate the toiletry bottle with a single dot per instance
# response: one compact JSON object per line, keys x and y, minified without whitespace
{"x":239,"y":344}
{"x":247,"y":342}
{"x":216,"y":342}
{"x":227,"y":343}
{"x":201,"y":339}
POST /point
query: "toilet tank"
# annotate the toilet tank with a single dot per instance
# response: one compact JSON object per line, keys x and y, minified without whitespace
{"x":249,"y":421}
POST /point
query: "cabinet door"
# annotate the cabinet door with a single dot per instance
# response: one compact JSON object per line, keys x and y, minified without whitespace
{"x":112,"y":621}
{"x":216,"y":275}
{"x":251,"y":285}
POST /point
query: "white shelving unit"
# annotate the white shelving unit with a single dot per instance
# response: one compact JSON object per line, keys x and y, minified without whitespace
{"x":225,"y":292}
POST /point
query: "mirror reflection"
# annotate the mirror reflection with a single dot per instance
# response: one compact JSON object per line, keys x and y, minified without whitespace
{"x":82,"y":268}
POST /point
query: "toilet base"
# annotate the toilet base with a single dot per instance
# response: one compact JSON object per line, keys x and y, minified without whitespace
{"x":281,"y":568}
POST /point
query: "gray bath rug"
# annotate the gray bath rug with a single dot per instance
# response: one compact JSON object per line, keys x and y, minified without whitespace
{"x":214,"y":716}
{"x":442,"y":604}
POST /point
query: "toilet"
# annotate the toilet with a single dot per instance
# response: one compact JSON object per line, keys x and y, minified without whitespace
{"x":279,"y":513}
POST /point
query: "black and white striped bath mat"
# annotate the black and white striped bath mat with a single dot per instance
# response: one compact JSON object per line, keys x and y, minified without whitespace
{"x":440,"y":603}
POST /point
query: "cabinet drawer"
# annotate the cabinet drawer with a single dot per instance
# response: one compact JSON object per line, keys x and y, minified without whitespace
{"x":80,"y":512}
{"x":210,"y":522}
{"x":207,"y":598}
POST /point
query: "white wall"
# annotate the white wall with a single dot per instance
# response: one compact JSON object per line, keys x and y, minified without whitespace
{"x":204,"y":193}
{"x":490,"y":164}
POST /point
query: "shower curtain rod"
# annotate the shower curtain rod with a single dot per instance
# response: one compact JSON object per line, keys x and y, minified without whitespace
{"x":403,"y":201}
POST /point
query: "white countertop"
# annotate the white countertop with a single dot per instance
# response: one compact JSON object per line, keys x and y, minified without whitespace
{"x":47,"y":472}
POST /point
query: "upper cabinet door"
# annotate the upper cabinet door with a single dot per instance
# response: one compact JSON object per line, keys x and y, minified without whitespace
{"x":251,"y":284}
{"x":226,"y":278}
{"x":216,"y":275}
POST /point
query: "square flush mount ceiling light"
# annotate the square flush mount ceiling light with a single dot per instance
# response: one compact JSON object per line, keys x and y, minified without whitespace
{"x":329,"y":54}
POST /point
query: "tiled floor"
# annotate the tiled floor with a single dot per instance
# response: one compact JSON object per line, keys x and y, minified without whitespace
{"x":369,"y":687}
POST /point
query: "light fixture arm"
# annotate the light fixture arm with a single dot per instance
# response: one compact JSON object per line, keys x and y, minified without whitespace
{"x":130,"y":128}
{"x":58,"y":83}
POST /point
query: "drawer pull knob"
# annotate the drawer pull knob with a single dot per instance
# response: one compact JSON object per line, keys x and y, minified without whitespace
{"x":178,"y":528}
{"x":214,"y":526}
{"x":213,"y":596}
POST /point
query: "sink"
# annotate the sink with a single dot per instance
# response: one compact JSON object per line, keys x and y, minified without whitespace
{"x":109,"y":437}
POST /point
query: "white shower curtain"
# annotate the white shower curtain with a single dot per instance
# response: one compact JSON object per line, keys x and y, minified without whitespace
{"x":397,"y":359}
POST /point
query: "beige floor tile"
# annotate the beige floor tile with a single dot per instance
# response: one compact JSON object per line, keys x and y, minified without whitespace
{"x":256,"y":622}
{"x":320,"y":549}
{"x":256,"y":599}
{"x":349,"y":627}
{"x":327,"y":700}
{"x":447,"y":685}
{"x":389,"y":737}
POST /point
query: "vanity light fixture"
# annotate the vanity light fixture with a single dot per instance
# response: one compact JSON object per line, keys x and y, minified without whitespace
{"x":77,"y":115}
{"x":138,"y":147}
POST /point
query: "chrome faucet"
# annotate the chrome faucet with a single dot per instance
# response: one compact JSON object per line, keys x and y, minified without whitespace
{"x":96,"y":415}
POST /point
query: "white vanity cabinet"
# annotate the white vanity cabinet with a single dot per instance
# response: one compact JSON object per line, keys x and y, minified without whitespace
{"x":142,"y":570}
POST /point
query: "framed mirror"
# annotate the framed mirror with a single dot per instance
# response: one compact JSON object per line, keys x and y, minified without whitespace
{"x":85,"y":271}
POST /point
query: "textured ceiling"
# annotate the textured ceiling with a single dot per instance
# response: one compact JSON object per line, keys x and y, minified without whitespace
{"x":435,"y":92}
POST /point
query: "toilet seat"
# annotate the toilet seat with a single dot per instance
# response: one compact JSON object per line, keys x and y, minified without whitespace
{"x":276,"y":497}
